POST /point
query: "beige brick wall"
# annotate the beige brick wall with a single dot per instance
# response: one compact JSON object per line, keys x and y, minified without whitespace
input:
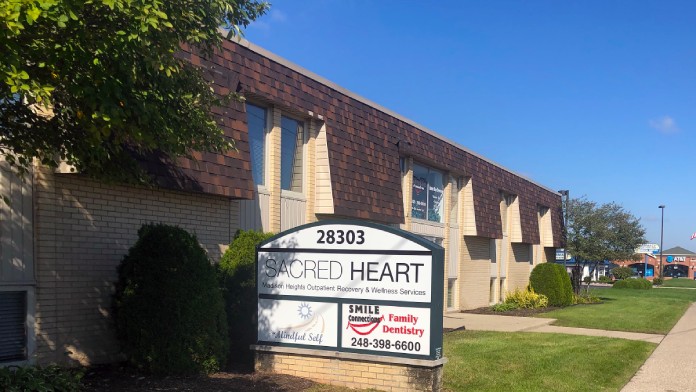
{"x":352,"y":373}
{"x":83,"y":230}
{"x":519,"y":267}
{"x":324,"y":191}
{"x":310,"y":168}
{"x":407,"y":192}
{"x":469,"y":217}
{"x":446,"y":241}
{"x":273,"y":171}
{"x":475,"y":272}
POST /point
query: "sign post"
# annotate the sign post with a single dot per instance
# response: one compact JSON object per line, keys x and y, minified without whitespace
{"x":354,"y":291}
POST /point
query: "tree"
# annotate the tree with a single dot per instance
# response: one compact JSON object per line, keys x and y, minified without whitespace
{"x":98,"y":82}
{"x":600,"y":232}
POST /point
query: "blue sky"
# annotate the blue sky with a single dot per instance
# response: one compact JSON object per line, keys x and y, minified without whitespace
{"x":598,"y":97}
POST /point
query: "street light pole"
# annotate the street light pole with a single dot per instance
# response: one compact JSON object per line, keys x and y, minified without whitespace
{"x":662,"y":228}
{"x":566,"y":193}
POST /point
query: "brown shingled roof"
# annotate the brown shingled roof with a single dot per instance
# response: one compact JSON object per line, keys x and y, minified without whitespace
{"x":365,"y":145}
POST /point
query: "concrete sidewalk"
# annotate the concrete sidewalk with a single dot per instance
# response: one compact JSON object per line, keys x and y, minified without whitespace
{"x":667,"y":369}
{"x":488,"y":322}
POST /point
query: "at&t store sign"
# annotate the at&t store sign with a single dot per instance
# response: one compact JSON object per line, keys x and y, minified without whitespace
{"x":351,"y":287}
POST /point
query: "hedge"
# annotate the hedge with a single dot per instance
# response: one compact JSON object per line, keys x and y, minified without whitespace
{"x":553,"y":281}
{"x":640,"y":284}
{"x":238,"y":279}
{"x":169,"y":309}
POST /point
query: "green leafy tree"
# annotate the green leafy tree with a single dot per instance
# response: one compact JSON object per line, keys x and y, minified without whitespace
{"x":600,"y":232}
{"x":95,"y":82}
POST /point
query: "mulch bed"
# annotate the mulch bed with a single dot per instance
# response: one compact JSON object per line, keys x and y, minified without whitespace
{"x":116,"y":378}
{"x":514,"y":312}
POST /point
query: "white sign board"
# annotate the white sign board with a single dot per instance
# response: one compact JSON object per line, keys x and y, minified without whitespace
{"x":357,"y":276}
{"x":386,"y":328}
{"x":351,"y":286}
{"x":298,"y":322}
{"x":648,"y":249}
{"x":561,"y":255}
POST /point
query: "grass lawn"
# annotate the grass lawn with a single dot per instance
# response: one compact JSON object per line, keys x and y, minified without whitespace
{"x":495,"y":361}
{"x":649,"y":311}
{"x":679,"y":283}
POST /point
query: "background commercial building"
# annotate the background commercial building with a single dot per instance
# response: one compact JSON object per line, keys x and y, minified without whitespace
{"x":677,"y":262}
{"x":307,"y":150}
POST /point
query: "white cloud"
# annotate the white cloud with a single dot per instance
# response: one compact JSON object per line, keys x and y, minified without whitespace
{"x":259,"y":25}
{"x":277,"y":15}
{"x":665,"y":125}
{"x":265,"y":22}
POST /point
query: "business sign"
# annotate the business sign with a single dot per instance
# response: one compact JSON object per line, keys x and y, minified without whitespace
{"x":353,"y":287}
{"x":649,"y":249}
{"x":560,"y":255}
{"x":419,"y":197}
{"x":678,"y":259}
{"x":394,"y":329}
{"x":298,"y":322}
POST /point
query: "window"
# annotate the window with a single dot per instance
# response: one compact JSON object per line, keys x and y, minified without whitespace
{"x":428,"y":194}
{"x":291,"y":144}
{"x":256,"y":118}
{"x":450,"y":293}
{"x":291,"y":141}
{"x":13,"y":310}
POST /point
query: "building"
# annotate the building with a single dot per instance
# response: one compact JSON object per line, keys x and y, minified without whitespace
{"x":677,"y":262}
{"x":594,"y":272}
{"x":307,"y":150}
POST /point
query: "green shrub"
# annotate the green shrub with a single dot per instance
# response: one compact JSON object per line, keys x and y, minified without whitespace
{"x":526,"y":299}
{"x":604,"y":279}
{"x":587,"y":279}
{"x":238,"y":279}
{"x":644,"y":283}
{"x":34,"y":378}
{"x":585,"y":298}
{"x":169,"y":309}
{"x":640,"y":284}
{"x":657,"y":281}
{"x":504,"y":307}
{"x":552,"y":280}
{"x":622,"y":272}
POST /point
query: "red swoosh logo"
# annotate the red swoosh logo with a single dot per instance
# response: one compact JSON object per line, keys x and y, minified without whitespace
{"x":372,"y":326}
